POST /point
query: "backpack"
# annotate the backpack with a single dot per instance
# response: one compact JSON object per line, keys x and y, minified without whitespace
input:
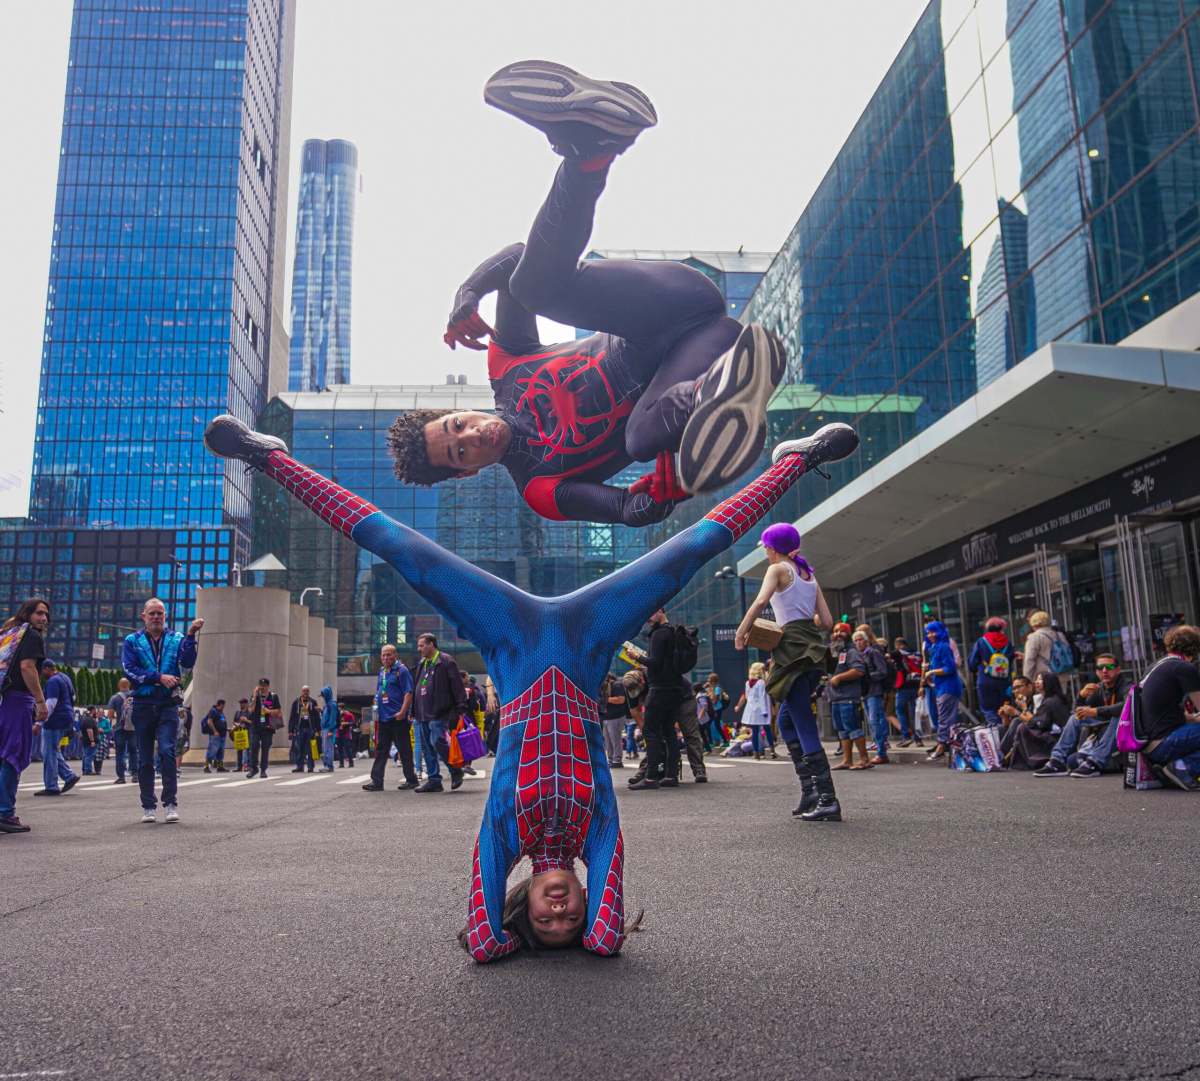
{"x":912,"y":668}
{"x":997,"y":664}
{"x":127,"y":712}
{"x":9,"y":641}
{"x":877,"y":665}
{"x":1061,"y":657}
{"x":686,"y":643}
{"x":1129,"y":739}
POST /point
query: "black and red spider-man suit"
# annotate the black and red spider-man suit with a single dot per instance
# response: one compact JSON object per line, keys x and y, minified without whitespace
{"x":582,"y":411}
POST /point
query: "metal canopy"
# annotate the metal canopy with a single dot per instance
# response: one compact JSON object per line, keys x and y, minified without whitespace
{"x":1066,"y":415}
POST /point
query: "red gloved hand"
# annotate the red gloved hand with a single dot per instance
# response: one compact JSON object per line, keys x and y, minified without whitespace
{"x":466,"y":329}
{"x":662,"y":485}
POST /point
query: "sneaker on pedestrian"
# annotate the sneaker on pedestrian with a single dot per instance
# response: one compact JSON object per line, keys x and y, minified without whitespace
{"x":701,"y":778}
{"x":456,"y":779}
{"x":1086,"y":769}
{"x":12,"y":824}
{"x":1053,"y":768}
{"x":1177,"y":773}
{"x":642,"y":784}
{"x":264,"y":775}
{"x":48,"y":792}
{"x":149,"y":816}
{"x":372,"y":787}
{"x":207,"y":768}
{"x":119,"y":780}
{"x":904,"y":743}
{"x":429,"y":786}
{"x":668,"y":782}
{"x":172,"y":813}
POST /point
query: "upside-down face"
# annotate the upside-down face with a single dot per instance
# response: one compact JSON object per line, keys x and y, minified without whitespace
{"x":557,"y":907}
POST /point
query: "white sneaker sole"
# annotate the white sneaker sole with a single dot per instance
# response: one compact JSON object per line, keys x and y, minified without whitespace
{"x":727,"y":430}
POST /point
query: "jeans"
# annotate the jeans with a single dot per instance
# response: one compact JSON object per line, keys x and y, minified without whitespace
{"x":759,"y":734}
{"x":847,"y":719}
{"x":1184,"y":744}
{"x":630,"y":738}
{"x":878,"y":722}
{"x":216,"y":750}
{"x":156,"y":723}
{"x":1068,"y":742}
{"x":906,"y":706}
{"x":328,"y":739}
{"x":8,"y":788}
{"x":89,"y":757}
{"x":126,"y":752}
{"x":54,"y":766}
{"x":797,"y":723}
{"x":435,"y":745}
{"x":947,"y":714}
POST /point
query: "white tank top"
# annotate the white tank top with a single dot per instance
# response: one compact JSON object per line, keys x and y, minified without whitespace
{"x":796,"y":601}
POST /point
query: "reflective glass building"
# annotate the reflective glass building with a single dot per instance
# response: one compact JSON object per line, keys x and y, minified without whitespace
{"x":1027,"y":173}
{"x":342,"y":433}
{"x":164,"y":278}
{"x":321,"y":273}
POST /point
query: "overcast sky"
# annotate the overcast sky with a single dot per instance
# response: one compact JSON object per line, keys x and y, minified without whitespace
{"x":754,"y":100}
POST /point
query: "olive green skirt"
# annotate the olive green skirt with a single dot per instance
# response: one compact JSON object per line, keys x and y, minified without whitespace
{"x":801,"y":649}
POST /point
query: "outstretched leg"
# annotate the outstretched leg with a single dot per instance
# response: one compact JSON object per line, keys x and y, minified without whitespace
{"x":481,"y":605}
{"x":617,"y":605}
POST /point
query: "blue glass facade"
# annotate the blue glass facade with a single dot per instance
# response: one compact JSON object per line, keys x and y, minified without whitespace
{"x":321,"y":275}
{"x":158,"y":309}
{"x":1028,"y":171}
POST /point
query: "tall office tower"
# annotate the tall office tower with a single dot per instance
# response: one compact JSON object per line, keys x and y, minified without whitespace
{"x":164,"y":282}
{"x":320,"y":351}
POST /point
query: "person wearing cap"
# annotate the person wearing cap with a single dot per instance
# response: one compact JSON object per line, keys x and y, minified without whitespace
{"x":242,"y":722}
{"x":60,"y":706}
{"x":265,"y":710}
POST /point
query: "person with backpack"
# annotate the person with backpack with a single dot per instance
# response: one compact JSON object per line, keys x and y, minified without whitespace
{"x":991,"y":660}
{"x":1168,"y":706}
{"x":879,"y":674}
{"x":22,"y":700}
{"x":216,"y":727}
{"x":1046,"y":649}
{"x":60,"y":705}
{"x":670,"y":656}
{"x":120,"y":712}
{"x":907,"y":666}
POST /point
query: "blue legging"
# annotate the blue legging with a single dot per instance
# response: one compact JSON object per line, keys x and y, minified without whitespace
{"x":796,"y":720}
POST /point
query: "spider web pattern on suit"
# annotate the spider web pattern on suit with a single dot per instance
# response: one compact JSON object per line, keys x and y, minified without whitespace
{"x":743,"y":510}
{"x":341,"y":509}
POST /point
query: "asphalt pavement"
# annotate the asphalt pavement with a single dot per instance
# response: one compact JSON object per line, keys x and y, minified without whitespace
{"x":968,"y":927}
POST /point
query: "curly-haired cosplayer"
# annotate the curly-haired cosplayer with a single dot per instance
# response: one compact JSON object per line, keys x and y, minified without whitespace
{"x":551,"y":796}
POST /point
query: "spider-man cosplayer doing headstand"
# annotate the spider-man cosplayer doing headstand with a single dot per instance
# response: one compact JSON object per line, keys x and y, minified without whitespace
{"x":668,"y":374}
{"x":551,"y":796}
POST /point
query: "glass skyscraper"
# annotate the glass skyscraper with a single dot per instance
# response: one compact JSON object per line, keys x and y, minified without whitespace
{"x":1028,"y":171}
{"x":321,"y":274}
{"x":160,"y":311}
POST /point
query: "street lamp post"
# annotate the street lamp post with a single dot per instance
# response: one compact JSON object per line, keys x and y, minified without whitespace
{"x":311,"y":589}
{"x":730,"y":573}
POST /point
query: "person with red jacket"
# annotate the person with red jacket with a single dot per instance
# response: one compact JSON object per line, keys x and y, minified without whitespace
{"x":992,"y":660}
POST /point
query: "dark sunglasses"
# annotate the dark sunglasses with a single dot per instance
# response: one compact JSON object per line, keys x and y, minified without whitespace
{"x":1107,"y":667}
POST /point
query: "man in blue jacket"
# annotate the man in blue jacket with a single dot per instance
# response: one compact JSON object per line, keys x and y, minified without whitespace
{"x":60,"y":706}
{"x":153,"y":660}
{"x":393,"y":704}
{"x":329,"y":725}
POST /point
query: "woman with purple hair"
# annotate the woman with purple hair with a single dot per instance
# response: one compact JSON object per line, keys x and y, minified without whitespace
{"x":791,"y":588}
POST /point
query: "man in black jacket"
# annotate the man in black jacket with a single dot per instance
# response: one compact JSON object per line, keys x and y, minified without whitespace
{"x":304,"y":722}
{"x":1099,"y":703}
{"x":440,"y":699}
{"x":667,"y":691}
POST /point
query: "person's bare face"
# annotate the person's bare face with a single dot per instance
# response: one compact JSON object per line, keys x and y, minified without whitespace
{"x":556,"y":907}
{"x":154,"y":616}
{"x":1108,"y":670}
{"x":387,"y":657}
{"x":39,"y":619}
{"x":426,"y":648}
{"x":466,"y":441}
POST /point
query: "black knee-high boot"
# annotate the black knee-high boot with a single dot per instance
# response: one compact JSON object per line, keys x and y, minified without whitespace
{"x":808,"y":786}
{"x":827,"y":808}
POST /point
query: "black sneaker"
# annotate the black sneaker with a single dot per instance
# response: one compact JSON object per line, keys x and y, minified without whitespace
{"x":427,"y":787}
{"x":701,"y":778}
{"x":1179,"y":777}
{"x":456,"y":780}
{"x":582,"y":117}
{"x":642,"y":785}
{"x":831,"y":443}
{"x":1086,"y":769}
{"x":372,"y":787}
{"x":228,"y":437}
{"x":1053,"y":768}
{"x":668,"y":782}
{"x":728,"y":425}
{"x":48,"y":792}
{"x":12,"y":824}
{"x":404,"y":786}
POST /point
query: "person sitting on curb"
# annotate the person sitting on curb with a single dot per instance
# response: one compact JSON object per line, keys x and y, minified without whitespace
{"x":1170,"y":702}
{"x":1097,"y":704}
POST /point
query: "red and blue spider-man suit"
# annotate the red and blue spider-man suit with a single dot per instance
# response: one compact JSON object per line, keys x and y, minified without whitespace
{"x":551,"y":795}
